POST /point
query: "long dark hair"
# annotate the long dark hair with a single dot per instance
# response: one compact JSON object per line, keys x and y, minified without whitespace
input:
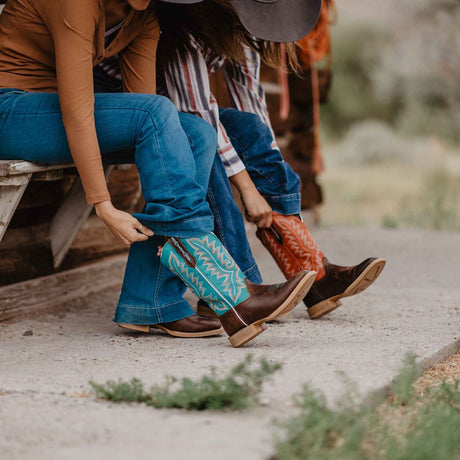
{"x":216,"y":28}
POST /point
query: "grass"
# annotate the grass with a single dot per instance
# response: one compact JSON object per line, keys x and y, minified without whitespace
{"x":405,"y":427}
{"x":239,"y":388}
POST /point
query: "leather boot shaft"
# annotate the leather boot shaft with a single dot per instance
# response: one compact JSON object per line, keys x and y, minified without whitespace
{"x":291,"y":245}
{"x":207,"y":268}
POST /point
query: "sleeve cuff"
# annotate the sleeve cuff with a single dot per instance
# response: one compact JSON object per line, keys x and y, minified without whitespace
{"x":232,"y":170}
{"x":93,"y":199}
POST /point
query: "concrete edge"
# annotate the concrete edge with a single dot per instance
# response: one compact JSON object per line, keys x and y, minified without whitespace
{"x":376,"y":397}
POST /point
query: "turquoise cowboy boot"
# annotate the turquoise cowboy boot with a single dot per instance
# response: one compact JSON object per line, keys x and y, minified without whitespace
{"x":207,"y":268}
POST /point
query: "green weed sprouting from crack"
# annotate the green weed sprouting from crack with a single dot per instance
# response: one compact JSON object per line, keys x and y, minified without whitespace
{"x":238,"y":389}
{"x":406,"y":427}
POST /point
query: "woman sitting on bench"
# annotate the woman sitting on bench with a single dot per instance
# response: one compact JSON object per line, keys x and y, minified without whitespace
{"x":49,"y":113}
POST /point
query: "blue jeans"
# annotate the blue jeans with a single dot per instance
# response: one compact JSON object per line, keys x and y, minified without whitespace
{"x":159,"y":294}
{"x":174,"y":179}
{"x":273,"y":177}
{"x":174,"y":168}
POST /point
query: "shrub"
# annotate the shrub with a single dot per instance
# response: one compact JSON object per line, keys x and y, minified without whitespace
{"x":238,"y":389}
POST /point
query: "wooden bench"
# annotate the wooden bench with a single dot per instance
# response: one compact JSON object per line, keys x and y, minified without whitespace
{"x":15,"y":175}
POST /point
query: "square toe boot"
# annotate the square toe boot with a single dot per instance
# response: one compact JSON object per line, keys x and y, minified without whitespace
{"x":339,"y":282}
{"x":290,"y":243}
{"x":207,"y":268}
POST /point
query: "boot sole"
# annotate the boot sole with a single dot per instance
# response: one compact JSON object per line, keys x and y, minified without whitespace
{"x":367,"y":277}
{"x":246,"y":334}
{"x":141,"y":328}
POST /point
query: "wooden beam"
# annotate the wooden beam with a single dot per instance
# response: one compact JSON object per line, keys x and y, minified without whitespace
{"x":69,"y":219}
{"x":10,"y":195}
{"x":54,"y":291}
{"x":13,"y":167}
{"x":49,"y":175}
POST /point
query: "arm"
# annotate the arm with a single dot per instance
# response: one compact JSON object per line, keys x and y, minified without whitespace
{"x":247,"y":95}
{"x":188,"y":87}
{"x":72,"y":26}
{"x":138,"y":60}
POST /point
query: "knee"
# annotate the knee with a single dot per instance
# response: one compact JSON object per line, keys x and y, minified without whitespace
{"x":160,"y":109}
{"x":239,"y":124}
{"x":201,"y":134}
{"x":208,"y":137}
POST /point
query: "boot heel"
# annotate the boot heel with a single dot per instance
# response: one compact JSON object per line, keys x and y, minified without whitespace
{"x":246,"y":334}
{"x":135,"y":327}
{"x":323,"y":308}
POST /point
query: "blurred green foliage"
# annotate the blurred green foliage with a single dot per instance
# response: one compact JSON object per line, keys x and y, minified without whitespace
{"x":406,"y":427}
{"x":404,"y":72}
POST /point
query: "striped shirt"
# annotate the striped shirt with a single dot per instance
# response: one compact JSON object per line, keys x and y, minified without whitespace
{"x":187,"y":85}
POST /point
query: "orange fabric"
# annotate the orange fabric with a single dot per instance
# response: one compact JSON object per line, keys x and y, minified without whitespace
{"x":53,"y":45}
{"x":291,"y":245}
{"x":284,"y":83}
{"x":317,"y":44}
{"x":312,"y":49}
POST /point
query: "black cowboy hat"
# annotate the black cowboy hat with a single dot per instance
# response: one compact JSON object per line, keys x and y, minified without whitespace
{"x":275,"y":20}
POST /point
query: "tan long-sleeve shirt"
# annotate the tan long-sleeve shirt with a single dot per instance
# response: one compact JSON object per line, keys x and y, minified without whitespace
{"x":53,"y":45}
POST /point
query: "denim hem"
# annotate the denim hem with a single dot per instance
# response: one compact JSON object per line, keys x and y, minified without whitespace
{"x":284,"y":204}
{"x":253,"y":274}
{"x":145,"y":315}
{"x":187,"y":228}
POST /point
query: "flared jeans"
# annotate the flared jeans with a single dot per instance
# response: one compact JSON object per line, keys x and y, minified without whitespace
{"x":174,"y":154}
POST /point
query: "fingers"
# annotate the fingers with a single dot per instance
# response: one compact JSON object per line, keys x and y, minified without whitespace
{"x":262,"y":220}
{"x":142,"y":228}
{"x":265,"y":221}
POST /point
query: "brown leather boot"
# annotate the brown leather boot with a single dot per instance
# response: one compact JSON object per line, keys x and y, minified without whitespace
{"x":266,"y":302}
{"x":207,"y":268}
{"x":339,"y":282}
{"x":191,"y":327}
{"x":290,"y":243}
{"x":204,"y":310}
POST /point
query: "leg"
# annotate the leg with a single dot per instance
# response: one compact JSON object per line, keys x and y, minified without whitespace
{"x":229,"y":223}
{"x":152,"y":294}
{"x":289,"y":240}
{"x":273,"y":177}
{"x":124,"y":122}
{"x":176,"y":204}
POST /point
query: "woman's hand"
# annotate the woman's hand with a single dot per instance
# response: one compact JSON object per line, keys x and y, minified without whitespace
{"x":256,"y":207}
{"x":124,"y":226}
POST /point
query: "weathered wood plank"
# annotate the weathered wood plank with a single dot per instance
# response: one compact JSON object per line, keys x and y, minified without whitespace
{"x":52,"y":291}
{"x":11,"y":181}
{"x":13,"y":167}
{"x":9,"y":200}
{"x":47,"y":176}
{"x":71,"y":216}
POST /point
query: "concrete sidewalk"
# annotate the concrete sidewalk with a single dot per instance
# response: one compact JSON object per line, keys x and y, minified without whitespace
{"x":44,"y":374}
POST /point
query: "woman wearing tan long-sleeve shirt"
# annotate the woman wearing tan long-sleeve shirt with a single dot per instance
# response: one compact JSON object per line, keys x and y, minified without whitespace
{"x":49,"y":113}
